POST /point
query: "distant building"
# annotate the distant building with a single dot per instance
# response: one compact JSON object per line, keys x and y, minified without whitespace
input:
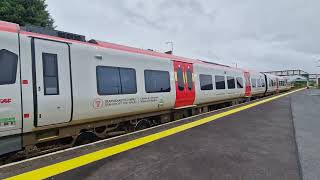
{"x":297,"y":75}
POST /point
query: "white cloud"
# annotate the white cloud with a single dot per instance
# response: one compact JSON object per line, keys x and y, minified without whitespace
{"x":261,"y":35}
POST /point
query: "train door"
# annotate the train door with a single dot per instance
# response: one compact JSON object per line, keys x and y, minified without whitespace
{"x":10,"y":92}
{"x":247,"y":84}
{"x":185,"y":89}
{"x":53,"y":82}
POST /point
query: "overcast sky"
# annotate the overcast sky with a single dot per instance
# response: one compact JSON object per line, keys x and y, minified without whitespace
{"x":261,"y":35}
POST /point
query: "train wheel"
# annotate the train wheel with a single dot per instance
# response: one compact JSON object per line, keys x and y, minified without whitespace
{"x":85,"y":138}
{"x":142,"y":124}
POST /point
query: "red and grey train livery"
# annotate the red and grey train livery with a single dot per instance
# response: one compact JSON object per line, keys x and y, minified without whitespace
{"x":58,"y":90}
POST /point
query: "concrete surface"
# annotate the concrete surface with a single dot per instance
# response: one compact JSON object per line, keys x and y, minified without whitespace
{"x":257,"y":143}
{"x":306,"y":115}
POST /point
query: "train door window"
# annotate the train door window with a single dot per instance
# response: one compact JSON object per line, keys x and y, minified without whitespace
{"x":50,"y":74}
{"x":220,"y":82}
{"x":8,"y":67}
{"x":189,"y":79}
{"x":115,"y":80}
{"x":157,"y":81}
{"x":231,"y":82}
{"x":206,"y":82}
{"x":239,"y":82}
{"x":180,"y":79}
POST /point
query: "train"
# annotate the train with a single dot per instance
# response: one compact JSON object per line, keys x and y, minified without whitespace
{"x":58,"y":90}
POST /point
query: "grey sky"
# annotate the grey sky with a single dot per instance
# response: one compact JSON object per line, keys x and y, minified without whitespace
{"x":261,"y":35}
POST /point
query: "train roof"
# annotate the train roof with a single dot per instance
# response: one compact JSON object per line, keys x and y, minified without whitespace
{"x":75,"y":38}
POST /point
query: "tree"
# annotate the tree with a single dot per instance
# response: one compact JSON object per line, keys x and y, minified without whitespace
{"x":26,"y":12}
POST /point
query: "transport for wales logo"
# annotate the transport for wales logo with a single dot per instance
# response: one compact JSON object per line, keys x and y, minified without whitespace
{"x":98,"y":103}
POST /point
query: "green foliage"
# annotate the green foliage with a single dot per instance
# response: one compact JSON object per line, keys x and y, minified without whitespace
{"x":26,"y":12}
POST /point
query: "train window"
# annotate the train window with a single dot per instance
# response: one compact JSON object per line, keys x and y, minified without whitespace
{"x":231,"y":82}
{"x":220,"y":82}
{"x":157,"y":81}
{"x":258,"y":83}
{"x":239,"y":82}
{"x":206,"y":82}
{"x":50,"y":74}
{"x":116,"y":80}
{"x":189,"y":79}
{"x":128,"y":81}
{"x":263,"y":83}
{"x":254,"y":83}
{"x":8,"y":67}
{"x":180,"y":79}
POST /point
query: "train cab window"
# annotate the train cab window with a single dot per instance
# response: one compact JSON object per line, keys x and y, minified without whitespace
{"x":157,"y":81}
{"x":220,"y":82}
{"x":239,"y":82}
{"x":231,"y":82}
{"x":8,"y":67}
{"x":254,"y":83}
{"x":116,"y":80}
{"x":189,"y":79}
{"x":206,"y":82}
{"x":180,"y":79}
{"x":50,"y":74}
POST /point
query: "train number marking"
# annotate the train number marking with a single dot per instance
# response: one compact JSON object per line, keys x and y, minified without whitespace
{"x":5,"y":101}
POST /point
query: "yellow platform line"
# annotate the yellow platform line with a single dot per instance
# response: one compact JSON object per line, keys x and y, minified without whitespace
{"x":58,"y":168}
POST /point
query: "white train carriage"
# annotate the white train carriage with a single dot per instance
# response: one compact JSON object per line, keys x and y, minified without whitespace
{"x":258,"y":84}
{"x":217,"y":83}
{"x":56,"y":90}
{"x":272,"y":84}
{"x":283,"y":84}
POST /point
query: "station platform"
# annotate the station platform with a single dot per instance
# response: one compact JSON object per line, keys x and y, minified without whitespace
{"x":256,"y":140}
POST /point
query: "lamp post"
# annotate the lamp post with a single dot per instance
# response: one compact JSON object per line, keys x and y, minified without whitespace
{"x":170,"y":42}
{"x":317,"y":80}
{"x":236,"y":64}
